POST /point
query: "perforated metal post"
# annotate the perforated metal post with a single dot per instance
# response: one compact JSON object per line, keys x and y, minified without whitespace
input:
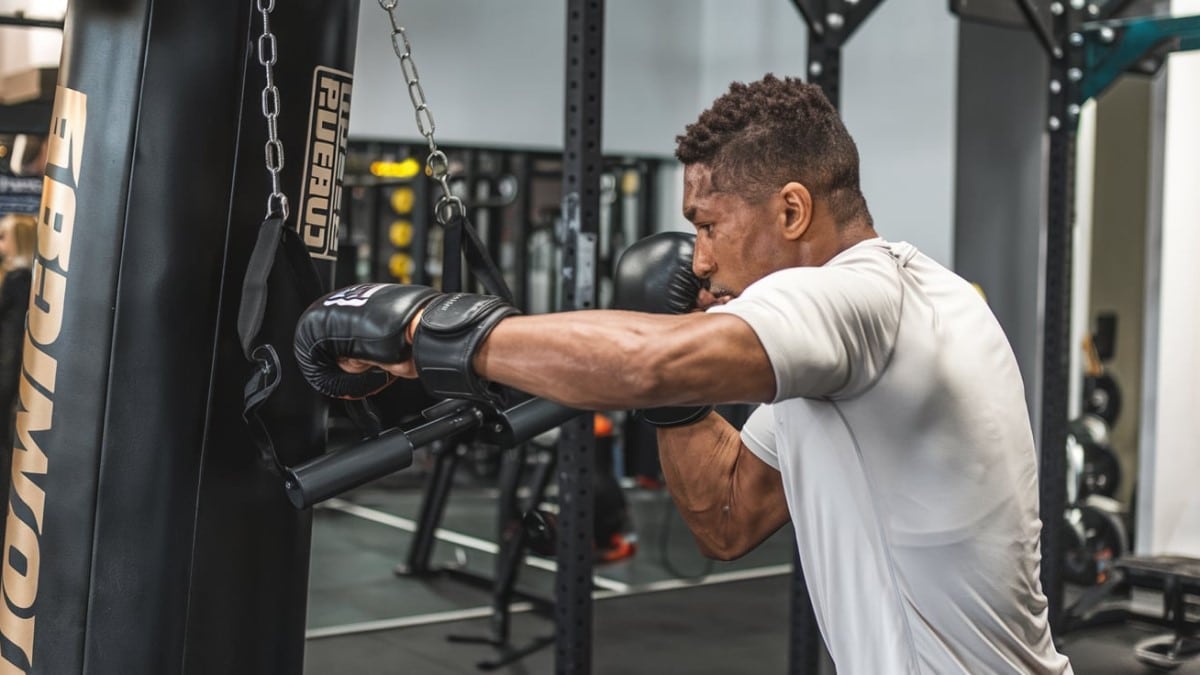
{"x":824,"y":67}
{"x":830,"y":24}
{"x":582,"y":167}
{"x":1066,"y":73}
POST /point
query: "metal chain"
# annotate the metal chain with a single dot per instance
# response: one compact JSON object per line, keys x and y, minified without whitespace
{"x":436,"y":166}
{"x":277,"y":203}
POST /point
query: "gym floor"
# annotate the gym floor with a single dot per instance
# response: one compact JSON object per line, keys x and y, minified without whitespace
{"x":653,"y":612}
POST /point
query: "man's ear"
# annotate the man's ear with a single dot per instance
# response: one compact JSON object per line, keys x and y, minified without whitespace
{"x":797,"y":210}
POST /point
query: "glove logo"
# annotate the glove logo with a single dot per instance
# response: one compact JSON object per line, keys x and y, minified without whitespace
{"x":353,"y":296}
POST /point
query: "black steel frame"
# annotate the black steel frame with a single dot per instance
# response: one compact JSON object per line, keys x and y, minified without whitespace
{"x":582,"y":167}
{"x":830,"y":24}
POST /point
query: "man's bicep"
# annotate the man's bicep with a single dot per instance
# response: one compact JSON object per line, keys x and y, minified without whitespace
{"x":722,"y":361}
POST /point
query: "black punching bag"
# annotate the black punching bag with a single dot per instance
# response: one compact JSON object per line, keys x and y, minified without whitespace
{"x":144,"y":534}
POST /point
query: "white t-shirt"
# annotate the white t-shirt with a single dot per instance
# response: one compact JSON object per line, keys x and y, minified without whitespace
{"x":900,"y":428}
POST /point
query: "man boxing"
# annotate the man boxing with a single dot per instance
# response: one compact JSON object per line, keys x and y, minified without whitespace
{"x":893,"y":434}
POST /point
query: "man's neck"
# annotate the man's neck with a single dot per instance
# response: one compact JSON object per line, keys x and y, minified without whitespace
{"x":837,"y":239}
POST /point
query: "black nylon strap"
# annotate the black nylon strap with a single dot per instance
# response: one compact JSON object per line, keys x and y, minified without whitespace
{"x":275,"y":240}
{"x":452,"y":247}
{"x":461,"y":237}
{"x":263,"y":381}
{"x":271,"y":234}
{"x":254,"y":285}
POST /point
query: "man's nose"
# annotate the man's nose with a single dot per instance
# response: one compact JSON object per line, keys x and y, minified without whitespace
{"x":703,"y":265}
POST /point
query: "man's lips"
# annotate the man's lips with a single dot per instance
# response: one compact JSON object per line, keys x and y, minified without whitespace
{"x":707,"y":298}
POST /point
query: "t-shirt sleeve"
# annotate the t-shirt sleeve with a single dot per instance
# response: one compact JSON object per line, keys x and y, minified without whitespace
{"x":828,"y":331}
{"x":758,"y":433}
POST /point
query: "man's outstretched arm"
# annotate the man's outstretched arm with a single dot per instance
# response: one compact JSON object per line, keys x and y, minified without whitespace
{"x":612,"y":359}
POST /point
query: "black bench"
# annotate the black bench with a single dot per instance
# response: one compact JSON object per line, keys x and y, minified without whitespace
{"x":1176,"y":577}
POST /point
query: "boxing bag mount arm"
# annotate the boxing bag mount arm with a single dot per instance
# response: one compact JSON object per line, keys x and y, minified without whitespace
{"x":335,"y":473}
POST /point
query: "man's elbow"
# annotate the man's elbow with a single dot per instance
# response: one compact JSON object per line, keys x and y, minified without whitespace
{"x":724,"y":550}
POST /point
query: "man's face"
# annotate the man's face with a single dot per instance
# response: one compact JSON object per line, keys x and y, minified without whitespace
{"x":737,"y":242}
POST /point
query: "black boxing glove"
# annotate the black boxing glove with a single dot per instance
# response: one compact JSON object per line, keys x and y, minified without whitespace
{"x":365,"y":321}
{"x":450,"y":332}
{"x":655,"y":275}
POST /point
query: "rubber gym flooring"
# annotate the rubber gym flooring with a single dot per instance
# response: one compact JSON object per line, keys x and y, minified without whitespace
{"x":365,"y":620}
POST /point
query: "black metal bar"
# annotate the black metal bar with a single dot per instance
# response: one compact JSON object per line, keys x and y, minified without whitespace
{"x":855,"y":14}
{"x":332,"y":474}
{"x":514,"y":538}
{"x":512,"y":554}
{"x":378,"y":223}
{"x":422,"y":220}
{"x":1112,"y":8}
{"x":813,"y":12}
{"x":525,"y":420}
{"x":582,"y":166}
{"x":1039,"y":28}
{"x":510,"y":534}
{"x":25,"y":118}
{"x":519,"y":165}
{"x":829,"y":27}
{"x":495,"y":210}
{"x":25,"y":22}
{"x":825,"y":65}
{"x":470,"y":178}
{"x":647,"y":199}
{"x":433,"y":504}
{"x":1065,"y":76}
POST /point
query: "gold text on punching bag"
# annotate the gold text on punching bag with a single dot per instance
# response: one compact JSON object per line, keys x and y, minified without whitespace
{"x":27,"y":503}
{"x":324,"y":162}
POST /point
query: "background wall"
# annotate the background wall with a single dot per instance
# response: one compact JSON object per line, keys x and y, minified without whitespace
{"x":1169,"y":504}
{"x":493,"y":75}
{"x":1000,"y":185}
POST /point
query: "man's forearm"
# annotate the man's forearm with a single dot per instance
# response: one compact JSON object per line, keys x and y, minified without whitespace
{"x":730,"y":500}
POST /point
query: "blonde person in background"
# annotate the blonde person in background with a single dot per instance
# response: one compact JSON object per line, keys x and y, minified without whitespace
{"x":18,"y":241}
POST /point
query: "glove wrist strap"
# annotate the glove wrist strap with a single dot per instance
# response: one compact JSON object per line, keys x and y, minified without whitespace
{"x":449,"y":334}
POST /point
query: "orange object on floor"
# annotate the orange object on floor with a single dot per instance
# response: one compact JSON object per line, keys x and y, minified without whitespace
{"x":619,"y":547}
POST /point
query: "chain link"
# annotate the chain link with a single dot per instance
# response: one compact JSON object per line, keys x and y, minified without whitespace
{"x":277,"y":203}
{"x":437,"y":166}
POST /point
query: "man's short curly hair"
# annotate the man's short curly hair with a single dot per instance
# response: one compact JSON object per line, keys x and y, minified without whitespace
{"x":757,"y":137}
